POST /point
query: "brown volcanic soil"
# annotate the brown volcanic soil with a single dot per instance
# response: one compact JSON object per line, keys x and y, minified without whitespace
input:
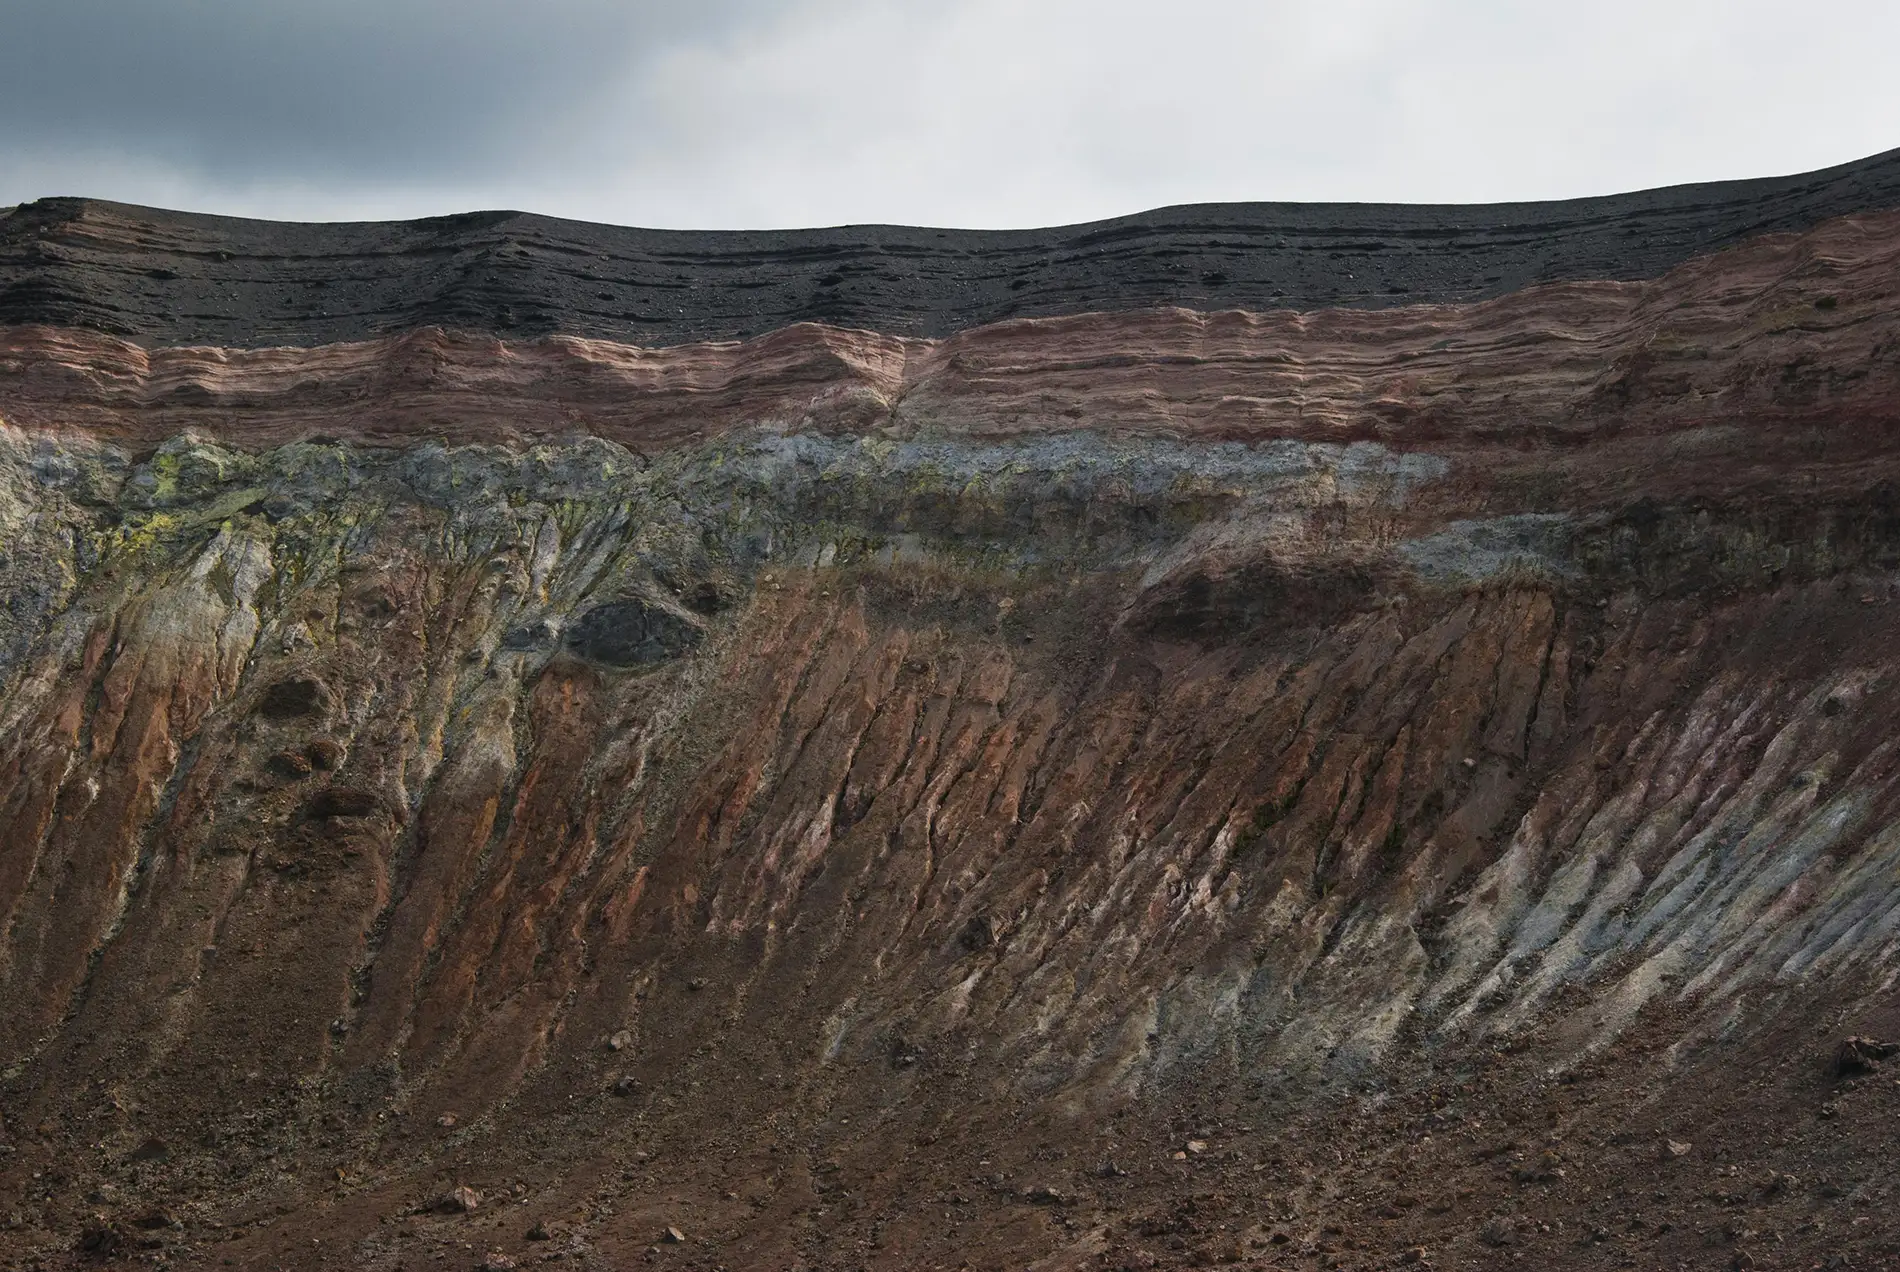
{"x":1356,"y":789}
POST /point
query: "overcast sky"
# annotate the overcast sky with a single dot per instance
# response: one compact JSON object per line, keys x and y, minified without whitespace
{"x":757,"y":113}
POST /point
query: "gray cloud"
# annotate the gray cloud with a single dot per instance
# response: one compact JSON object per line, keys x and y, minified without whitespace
{"x":732,"y":113}
{"x":352,"y":90}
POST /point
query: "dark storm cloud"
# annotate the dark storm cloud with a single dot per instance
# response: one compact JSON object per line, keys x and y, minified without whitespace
{"x":359,"y":90}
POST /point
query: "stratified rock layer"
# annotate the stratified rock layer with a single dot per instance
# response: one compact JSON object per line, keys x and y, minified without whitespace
{"x":169,"y":278}
{"x":1126,"y":789}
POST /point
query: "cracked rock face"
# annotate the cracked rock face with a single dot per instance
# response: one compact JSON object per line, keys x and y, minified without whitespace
{"x":1128,"y":788}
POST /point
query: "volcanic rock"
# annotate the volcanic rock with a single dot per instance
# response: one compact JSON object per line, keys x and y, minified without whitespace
{"x":295,"y":698}
{"x":178,"y":279}
{"x":1862,"y":1055}
{"x":631,"y":633}
{"x":460,"y":1200}
{"x":1499,"y":1230}
{"x":291,"y":764}
{"x":100,"y":1238}
{"x":1408,"y":705}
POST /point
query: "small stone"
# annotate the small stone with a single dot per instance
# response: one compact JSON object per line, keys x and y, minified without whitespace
{"x":620,"y":1041}
{"x":1676,"y":1148}
{"x":539,"y":1232}
{"x":1197,"y":1147}
{"x":324,"y":753}
{"x":497,"y":1262}
{"x":1232,"y":1250}
{"x":291,"y":764}
{"x":99,"y":1237}
{"x":673,"y":1236}
{"x":1547,"y":1166}
{"x":1043,"y":1195}
{"x":1179,"y":1155}
{"x":445,"y":1121}
{"x":624,"y":1087}
{"x":1861,"y":1055}
{"x":460,"y":1200}
{"x":1499,"y":1230}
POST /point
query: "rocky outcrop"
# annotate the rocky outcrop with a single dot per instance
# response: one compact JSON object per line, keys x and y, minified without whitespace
{"x":1786,"y":332}
{"x":169,"y":278}
{"x":1123,"y":789}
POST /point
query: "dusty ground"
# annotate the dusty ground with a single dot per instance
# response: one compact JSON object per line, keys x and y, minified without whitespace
{"x":1736,"y":1157}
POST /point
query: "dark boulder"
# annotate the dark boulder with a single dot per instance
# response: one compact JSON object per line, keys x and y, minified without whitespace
{"x":299,"y":697}
{"x":1858,"y":1056}
{"x":631,"y":633}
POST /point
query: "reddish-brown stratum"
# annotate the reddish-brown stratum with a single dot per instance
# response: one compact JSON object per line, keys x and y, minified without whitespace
{"x":1347,"y":789}
{"x":1724,"y":337}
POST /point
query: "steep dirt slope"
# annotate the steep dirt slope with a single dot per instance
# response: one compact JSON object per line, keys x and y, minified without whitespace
{"x":1353,"y":789}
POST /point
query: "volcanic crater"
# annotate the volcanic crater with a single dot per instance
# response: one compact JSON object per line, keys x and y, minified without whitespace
{"x":1254,"y":735}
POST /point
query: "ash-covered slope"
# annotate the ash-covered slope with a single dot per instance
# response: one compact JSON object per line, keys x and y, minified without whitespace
{"x":1358,"y":788}
{"x":169,"y":278}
